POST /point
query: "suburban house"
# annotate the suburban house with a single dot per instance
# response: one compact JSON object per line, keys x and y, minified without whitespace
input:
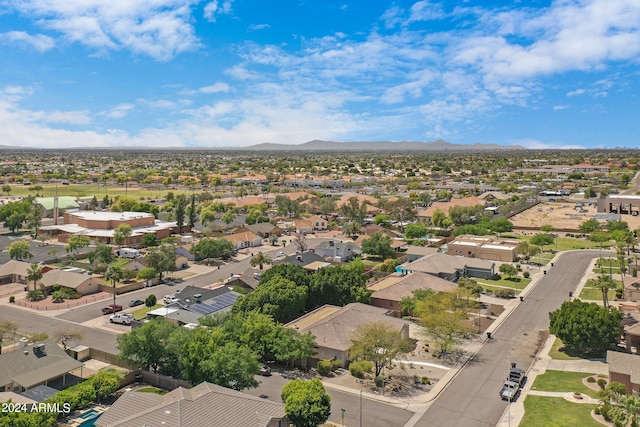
{"x":100,"y":226}
{"x":318,"y":223}
{"x":33,"y":364}
{"x":624,"y":368}
{"x":245,"y":239}
{"x":194,"y":302}
{"x":203,"y":405}
{"x":305,"y":260}
{"x":631,"y":288}
{"x":450,"y":267}
{"x":416,"y":252}
{"x":484,"y":247}
{"x":185,"y":251}
{"x":338,"y":251}
{"x":333,"y":328}
{"x":14,"y":271}
{"x":264,"y":229}
{"x":390,"y":290}
{"x":303,"y":226}
{"x":427,"y":214}
{"x":82,"y":283}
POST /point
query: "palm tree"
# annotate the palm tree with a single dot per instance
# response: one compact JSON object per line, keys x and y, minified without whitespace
{"x":627,"y":411}
{"x":34,"y":273}
{"x":115,"y":273}
{"x":604,"y":283}
{"x":260,"y":260}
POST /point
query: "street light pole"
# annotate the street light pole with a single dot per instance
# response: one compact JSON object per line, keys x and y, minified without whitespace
{"x":343,"y":411}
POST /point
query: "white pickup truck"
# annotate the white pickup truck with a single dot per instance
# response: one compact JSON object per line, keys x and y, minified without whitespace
{"x":509,"y":390}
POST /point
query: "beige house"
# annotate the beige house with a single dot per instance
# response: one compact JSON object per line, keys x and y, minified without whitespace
{"x":245,"y":239}
{"x":81,"y":283}
{"x":14,"y":271}
{"x":624,"y":368}
{"x":334,"y":326}
{"x":484,"y":247}
{"x":389,"y":291}
{"x":203,"y":405}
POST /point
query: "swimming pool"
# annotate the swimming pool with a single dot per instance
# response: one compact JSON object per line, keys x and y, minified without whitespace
{"x":89,"y":418}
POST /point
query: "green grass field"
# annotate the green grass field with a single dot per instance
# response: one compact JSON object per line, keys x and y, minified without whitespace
{"x":593,"y":294}
{"x":521,"y":283}
{"x":99,"y":191}
{"x":142,"y":313}
{"x":560,"y":352}
{"x":563,"y":381}
{"x":556,"y":412}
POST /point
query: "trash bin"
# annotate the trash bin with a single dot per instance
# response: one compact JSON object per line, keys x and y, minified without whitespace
{"x":551,"y":264}
{"x":489,"y":335}
{"x":521,"y":299}
{"x":545,"y":271}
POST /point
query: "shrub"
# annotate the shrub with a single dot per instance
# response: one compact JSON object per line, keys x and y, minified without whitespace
{"x":335,"y":364}
{"x":416,"y":379}
{"x":505,"y":293}
{"x":602,"y":383}
{"x":324,"y":367}
{"x":36,"y":295}
{"x":597,"y":411}
{"x":591,"y":380}
{"x":379,"y":381}
{"x":425,"y":381}
{"x":356,"y":370}
{"x":12,"y":299}
{"x":366,"y":366}
{"x":526,"y":274}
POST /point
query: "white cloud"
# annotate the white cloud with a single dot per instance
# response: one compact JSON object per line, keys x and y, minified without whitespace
{"x":257,"y":27}
{"x":119,"y":111}
{"x":39,"y":42}
{"x":215,"y":88}
{"x":215,"y":7}
{"x":160,"y":28}
{"x":560,"y":107}
{"x":425,"y":11}
{"x":576,"y":92}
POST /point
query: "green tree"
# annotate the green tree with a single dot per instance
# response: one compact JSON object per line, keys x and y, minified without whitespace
{"x":213,"y":248}
{"x":401,"y":211}
{"x":353,"y":210}
{"x":232,"y":366}
{"x":121,"y":234}
{"x":352,"y":229}
{"x":501,"y":225}
{"x":416,"y":230}
{"x":180,"y":205}
{"x":379,"y":343}
{"x":291,"y":272}
{"x":150,"y":301}
{"x":77,"y":242}
{"x":146,"y":345}
{"x":336,"y":285}
{"x":279,"y":298}
{"x":260,"y":260}
{"x":589,"y":226}
{"x":288,"y":345}
{"x":586,"y":326}
{"x":542,"y":240}
{"x":508,"y":269}
{"x":440,"y":219}
{"x":147,"y":274}
{"x":192,"y":213}
{"x":161,"y":258}
{"x":19,"y":250}
{"x":378,"y":245}
{"x":228,"y":217}
{"x":306,"y":403}
{"x":149,"y":240}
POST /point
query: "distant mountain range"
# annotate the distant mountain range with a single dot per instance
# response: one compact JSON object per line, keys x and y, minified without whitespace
{"x":318,"y":145}
{"x":399,"y":146}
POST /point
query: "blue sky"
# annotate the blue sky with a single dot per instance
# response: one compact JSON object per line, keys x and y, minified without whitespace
{"x":175,"y":73}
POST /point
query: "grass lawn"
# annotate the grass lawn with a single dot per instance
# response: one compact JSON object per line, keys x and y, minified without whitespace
{"x":495,"y":289}
{"x":142,"y":313}
{"x":594,"y":294}
{"x":556,"y":412}
{"x":81,"y":190}
{"x":152,"y":390}
{"x":569,"y":243}
{"x":560,"y":352}
{"x":114,"y":370}
{"x":507,"y":283}
{"x":563,"y":381}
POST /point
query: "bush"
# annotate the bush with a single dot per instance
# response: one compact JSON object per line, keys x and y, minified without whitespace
{"x":505,"y":293}
{"x":12,"y":299}
{"x":425,"y":381}
{"x":366,"y":366}
{"x":36,"y":295}
{"x":379,"y":381}
{"x":324,"y":367}
{"x":335,"y":364}
{"x":591,"y":380}
{"x":602,"y":383}
{"x":526,"y":274}
{"x":416,"y":379}
{"x":358,"y":369}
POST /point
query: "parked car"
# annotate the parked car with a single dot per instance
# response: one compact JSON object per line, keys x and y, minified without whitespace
{"x":111,"y":308}
{"x":122,"y":318}
{"x":265,"y":371}
{"x":281,"y":254}
{"x":169,"y":299}
{"x":135,"y":302}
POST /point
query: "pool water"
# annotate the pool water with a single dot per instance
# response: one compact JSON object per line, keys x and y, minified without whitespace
{"x":90,"y":417}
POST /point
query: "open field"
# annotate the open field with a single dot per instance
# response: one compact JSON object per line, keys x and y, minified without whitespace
{"x":556,"y":412}
{"x":564,"y":381}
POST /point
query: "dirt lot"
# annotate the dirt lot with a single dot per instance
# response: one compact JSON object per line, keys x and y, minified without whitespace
{"x":562,"y":215}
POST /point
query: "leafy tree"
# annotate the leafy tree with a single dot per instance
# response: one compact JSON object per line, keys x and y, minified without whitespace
{"x":440,"y":219}
{"x":150,"y":301}
{"x":542,"y":240}
{"x":19,"y":250}
{"x":589,"y":226}
{"x":147,"y":274}
{"x":280,"y":298}
{"x":352,"y":228}
{"x":54,"y":253}
{"x":501,"y":225}
{"x":353,"y":210}
{"x":213,"y":248}
{"x":442,"y":315}
{"x":101,"y":255}
{"x":192,"y":213}
{"x":121,"y":234}
{"x":599,"y":237}
{"x":228,"y":217}
{"x":306,"y":403}
{"x":145,"y":345}
{"x":378,"y":342}
{"x":291,"y":272}
{"x":180,"y":205}
{"x":408,"y":304}
{"x":508,"y":269}
{"x":77,"y":242}
{"x":382,"y":220}
{"x":260,"y":260}
{"x":586,"y":326}
{"x":287,"y":207}
{"x":336,"y":285}
{"x":8,"y":331}
{"x":232,"y":366}
{"x":105,"y":383}
{"x":161,"y":258}
{"x":378,"y":245}
{"x":461,"y":215}
{"x":401,"y":210}
{"x":289,"y":345}
{"x":416,"y":230}
{"x":470,"y":285}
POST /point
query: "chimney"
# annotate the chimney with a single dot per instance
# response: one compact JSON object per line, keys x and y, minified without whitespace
{"x":38,"y":350}
{"x":24,"y":342}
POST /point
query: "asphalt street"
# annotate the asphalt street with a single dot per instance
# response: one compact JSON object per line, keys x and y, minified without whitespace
{"x":471,"y":398}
